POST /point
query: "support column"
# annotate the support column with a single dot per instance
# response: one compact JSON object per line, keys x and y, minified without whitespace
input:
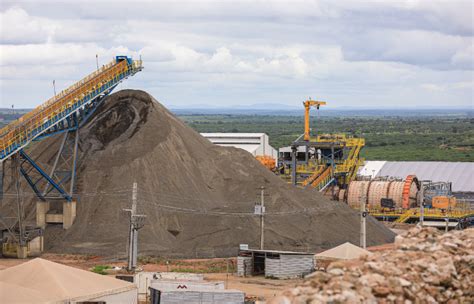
{"x":306,"y":154}
{"x":332,"y":160}
{"x":41,"y":209}
{"x":293,"y":164}
{"x":69,"y":214}
{"x":22,"y":252}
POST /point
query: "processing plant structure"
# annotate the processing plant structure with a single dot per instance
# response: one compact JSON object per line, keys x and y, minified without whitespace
{"x":323,"y":162}
{"x":330,"y":162}
{"x":64,"y":113}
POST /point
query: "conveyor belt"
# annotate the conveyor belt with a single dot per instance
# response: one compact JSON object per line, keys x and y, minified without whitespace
{"x":21,"y":132}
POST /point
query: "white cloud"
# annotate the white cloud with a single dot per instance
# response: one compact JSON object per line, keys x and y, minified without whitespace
{"x":462,"y":85}
{"x":18,"y":27}
{"x":432,"y":87}
{"x":400,"y":52}
{"x":55,"y":54}
{"x":465,"y":56}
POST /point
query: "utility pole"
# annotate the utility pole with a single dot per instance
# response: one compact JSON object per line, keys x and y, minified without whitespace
{"x":97,"y":61}
{"x":132,"y":237}
{"x":22,"y":249}
{"x":363,"y":218}
{"x":227,"y":274}
{"x":293,"y":164}
{"x":262,"y":212}
{"x":136,"y":222}
{"x":363,"y":231}
{"x":421,"y":199}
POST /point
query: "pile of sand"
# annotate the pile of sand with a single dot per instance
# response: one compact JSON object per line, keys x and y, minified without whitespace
{"x":198,"y":198}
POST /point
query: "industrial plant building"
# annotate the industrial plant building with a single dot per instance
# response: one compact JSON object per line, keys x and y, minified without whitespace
{"x":256,"y":144}
{"x":459,"y":174}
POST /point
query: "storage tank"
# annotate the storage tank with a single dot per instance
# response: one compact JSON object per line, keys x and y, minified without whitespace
{"x":403,"y":193}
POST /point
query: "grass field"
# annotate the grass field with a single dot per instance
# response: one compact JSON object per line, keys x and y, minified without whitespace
{"x":435,"y":138}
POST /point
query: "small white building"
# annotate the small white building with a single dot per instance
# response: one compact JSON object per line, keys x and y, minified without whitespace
{"x":217,"y":296}
{"x":144,"y":279}
{"x":194,"y":291}
{"x":274,"y":263}
{"x":256,"y":144}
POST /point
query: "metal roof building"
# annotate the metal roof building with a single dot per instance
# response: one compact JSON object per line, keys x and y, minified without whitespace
{"x":460,"y":174}
{"x":274,"y":263}
{"x":256,"y":144}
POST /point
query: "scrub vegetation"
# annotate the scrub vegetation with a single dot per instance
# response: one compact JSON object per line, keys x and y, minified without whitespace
{"x":428,"y":138}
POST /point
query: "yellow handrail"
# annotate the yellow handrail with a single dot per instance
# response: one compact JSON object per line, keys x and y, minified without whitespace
{"x":20,"y":130}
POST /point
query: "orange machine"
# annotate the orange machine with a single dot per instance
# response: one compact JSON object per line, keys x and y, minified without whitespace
{"x":443,"y":202}
{"x":267,"y":161}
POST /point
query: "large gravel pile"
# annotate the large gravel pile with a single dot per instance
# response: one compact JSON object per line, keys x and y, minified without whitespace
{"x":425,"y":267}
{"x":198,"y":198}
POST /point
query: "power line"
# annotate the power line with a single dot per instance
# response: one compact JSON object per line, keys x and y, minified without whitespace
{"x":150,"y":198}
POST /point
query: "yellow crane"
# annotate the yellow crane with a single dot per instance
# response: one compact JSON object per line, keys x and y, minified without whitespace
{"x":307,"y":106}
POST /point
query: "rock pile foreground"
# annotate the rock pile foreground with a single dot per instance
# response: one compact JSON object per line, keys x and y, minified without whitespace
{"x":426,"y":266}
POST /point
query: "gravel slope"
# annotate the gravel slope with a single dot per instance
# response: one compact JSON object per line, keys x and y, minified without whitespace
{"x":198,"y":198}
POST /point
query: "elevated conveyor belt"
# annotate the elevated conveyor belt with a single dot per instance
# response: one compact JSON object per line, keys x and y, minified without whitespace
{"x":323,"y":179}
{"x":314,"y":176}
{"x":21,"y":132}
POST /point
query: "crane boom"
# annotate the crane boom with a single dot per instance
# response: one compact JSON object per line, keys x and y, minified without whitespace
{"x":307,"y":106}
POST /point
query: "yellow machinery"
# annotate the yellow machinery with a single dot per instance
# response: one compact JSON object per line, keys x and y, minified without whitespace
{"x":323,"y":160}
{"x":432,"y":216}
{"x":307,"y":106}
{"x":331,"y":161}
{"x":409,"y":201}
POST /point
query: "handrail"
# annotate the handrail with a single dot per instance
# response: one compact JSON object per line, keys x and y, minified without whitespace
{"x":21,"y":131}
{"x":322,"y":177}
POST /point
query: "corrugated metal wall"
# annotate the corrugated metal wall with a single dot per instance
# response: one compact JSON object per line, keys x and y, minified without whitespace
{"x":144,"y":279}
{"x":196,"y":297}
{"x":244,"y":266}
{"x":187,"y":285}
{"x":289,"y":266}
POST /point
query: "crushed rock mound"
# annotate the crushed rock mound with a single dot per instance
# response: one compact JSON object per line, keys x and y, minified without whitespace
{"x":426,"y":266}
{"x":198,"y":198}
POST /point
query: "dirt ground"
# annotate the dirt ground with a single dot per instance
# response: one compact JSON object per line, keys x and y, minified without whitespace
{"x":214,"y":269}
{"x":256,"y":287}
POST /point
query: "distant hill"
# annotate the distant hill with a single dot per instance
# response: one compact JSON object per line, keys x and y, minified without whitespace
{"x":290,"y":111}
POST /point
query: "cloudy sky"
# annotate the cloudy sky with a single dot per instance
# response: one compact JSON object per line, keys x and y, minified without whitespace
{"x":404,"y":53}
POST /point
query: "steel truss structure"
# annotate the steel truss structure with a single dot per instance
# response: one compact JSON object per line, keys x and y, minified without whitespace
{"x":64,"y":113}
